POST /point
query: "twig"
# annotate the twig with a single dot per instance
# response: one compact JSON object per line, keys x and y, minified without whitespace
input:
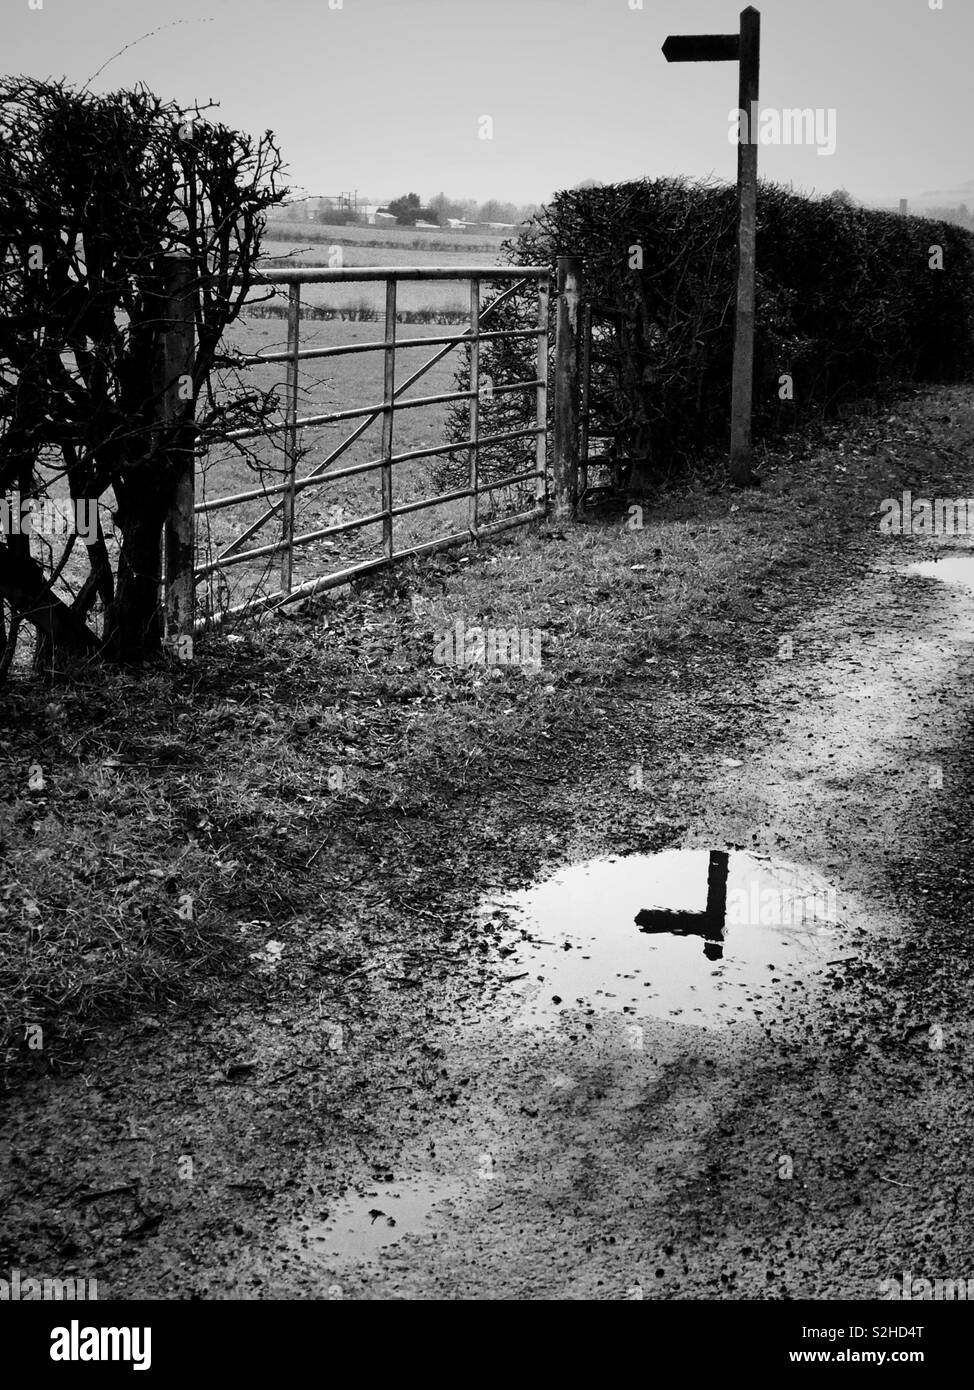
{"x":85,"y":1197}
{"x":317,"y":852}
{"x":885,"y":1178}
{"x":362,"y":969}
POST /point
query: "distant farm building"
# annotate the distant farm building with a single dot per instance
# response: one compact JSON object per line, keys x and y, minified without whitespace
{"x":459,"y":224}
{"x":375,"y":214}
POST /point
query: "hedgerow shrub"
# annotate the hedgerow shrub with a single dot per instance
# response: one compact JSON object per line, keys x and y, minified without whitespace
{"x":848,"y":301}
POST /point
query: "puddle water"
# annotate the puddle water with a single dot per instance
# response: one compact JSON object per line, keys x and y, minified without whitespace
{"x":701,"y":936}
{"x":953,"y":569}
{"x":359,"y":1225}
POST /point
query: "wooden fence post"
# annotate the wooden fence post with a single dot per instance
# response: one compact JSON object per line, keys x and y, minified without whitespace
{"x":173,"y":391}
{"x":566,"y":413}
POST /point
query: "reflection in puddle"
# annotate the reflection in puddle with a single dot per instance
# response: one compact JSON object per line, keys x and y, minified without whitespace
{"x":953,"y":569}
{"x":709,"y":924}
{"x":358,"y":1225}
{"x":708,"y":937}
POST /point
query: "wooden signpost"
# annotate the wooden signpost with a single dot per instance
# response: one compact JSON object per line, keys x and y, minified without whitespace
{"x":745,"y":49}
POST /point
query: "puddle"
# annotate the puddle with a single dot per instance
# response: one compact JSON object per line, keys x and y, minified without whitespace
{"x":359,"y":1225}
{"x":703,"y":937}
{"x":954,"y":569}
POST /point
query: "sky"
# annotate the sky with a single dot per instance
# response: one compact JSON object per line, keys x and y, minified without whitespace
{"x":388,"y":96}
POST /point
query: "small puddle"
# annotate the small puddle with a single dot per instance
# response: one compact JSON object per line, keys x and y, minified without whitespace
{"x":358,"y":1225}
{"x":702,"y":936}
{"x":953,"y":569}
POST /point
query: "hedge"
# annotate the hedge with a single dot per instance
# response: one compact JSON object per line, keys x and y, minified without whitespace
{"x":848,"y":303}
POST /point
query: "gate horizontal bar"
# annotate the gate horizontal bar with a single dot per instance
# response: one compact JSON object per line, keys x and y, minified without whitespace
{"x":281,"y":599}
{"x":343,"y":349}
{"x":258,"y":494}
{"x":262,"y":552}
{"x":359,"y":412}
{"x":460,"y":493}
{"x":314,"y":275}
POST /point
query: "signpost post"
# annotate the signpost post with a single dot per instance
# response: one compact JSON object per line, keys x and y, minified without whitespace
{"x":745,"y":49}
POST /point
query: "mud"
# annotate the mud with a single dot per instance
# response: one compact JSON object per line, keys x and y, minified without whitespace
{"x":627,"y":1117}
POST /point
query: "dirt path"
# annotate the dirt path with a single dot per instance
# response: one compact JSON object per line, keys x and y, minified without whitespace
{"x":811,"y":1152}
{"x":656,"y":1171}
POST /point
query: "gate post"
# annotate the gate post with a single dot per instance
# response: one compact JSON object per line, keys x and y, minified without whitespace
{"x":388,"y":415}
{"x":566,"y":413}
{"x":473,"y":464}
{"x":541,"y":394}
{"x":175,"y":411}
{"x":290,"y":433}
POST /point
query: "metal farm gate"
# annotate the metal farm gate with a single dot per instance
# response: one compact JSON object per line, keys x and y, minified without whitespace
{"x":280,"y":497}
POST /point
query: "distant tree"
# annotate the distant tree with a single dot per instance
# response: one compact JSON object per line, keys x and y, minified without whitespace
{"x":406,"y":210}
{"x":335,"y":217}
{"x":443,"y":208}
{"x":842,"y":197}
{"x":494,"y":211}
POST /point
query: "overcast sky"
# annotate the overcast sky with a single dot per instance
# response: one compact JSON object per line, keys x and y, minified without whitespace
{"x":387,"y":95}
